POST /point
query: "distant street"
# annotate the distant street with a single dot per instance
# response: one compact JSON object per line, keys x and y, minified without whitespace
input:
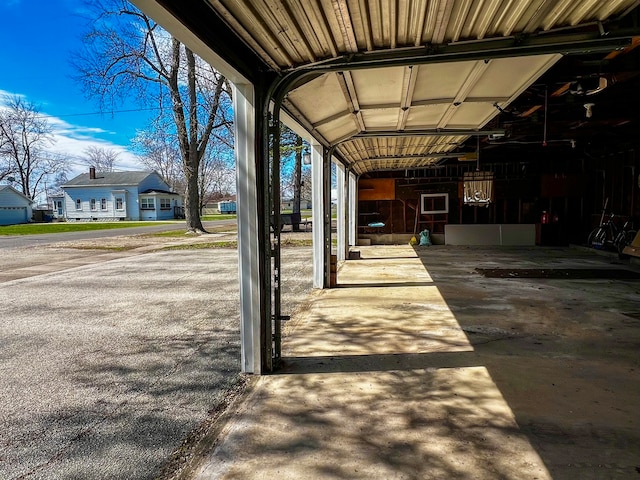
{"x":44,"y":239}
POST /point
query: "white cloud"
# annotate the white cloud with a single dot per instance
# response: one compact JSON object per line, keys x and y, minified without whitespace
{"x":71,"y":141}
{"x":4,"y":93}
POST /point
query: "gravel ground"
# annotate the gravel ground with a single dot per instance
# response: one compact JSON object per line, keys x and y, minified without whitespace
{"x":106,"y":368}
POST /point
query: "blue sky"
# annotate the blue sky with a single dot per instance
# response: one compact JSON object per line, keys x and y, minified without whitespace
{"x":39,"y":37}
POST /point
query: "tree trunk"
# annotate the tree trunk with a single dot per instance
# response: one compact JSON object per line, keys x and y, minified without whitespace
{"x":192,"y":195}
{"x":192,"y":172}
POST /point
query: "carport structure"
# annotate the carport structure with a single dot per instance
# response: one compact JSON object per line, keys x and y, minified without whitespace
{"x":371,"y":85}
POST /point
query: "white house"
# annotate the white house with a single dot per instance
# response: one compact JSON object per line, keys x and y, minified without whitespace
{"x":110,"y":196}
{"x":15,"y":207}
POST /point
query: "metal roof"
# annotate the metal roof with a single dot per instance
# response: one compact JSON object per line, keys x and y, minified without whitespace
{"x":441,"y":97}
{"x":380,"y":75}
{"x":290,"y":33}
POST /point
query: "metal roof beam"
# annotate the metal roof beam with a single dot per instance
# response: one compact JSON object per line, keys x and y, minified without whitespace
{"x":408,"y":88}
{"x":351,"y":97}
{"x":434,"y":101}
{"x":330,"y":119}
{"x":445,"y":101}
{"x":411,"y":157}
{"x":476,"y":72}
{"x":504,"y":47}
{"x":427,"y":133}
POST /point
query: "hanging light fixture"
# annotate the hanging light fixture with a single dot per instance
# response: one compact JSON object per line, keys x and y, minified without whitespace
{"x":306,"y":156}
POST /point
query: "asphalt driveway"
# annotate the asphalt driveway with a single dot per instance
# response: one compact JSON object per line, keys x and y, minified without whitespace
{"x":106,"y":368}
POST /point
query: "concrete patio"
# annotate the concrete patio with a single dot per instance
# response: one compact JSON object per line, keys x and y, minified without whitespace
{"x":418,"y":366}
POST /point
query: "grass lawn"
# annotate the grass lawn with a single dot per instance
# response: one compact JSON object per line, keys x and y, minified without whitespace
{"x":181,"y":233}
{"x":41,"y":228}
{"x":288,"y":242}
{"x":219,"y":217}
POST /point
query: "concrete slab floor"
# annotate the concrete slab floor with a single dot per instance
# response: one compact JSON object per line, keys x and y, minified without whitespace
{"x":419,"y":367}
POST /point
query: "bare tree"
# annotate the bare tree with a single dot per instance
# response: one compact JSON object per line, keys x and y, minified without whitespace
{"x":59,"y":179}
{"x":297,"y":176}
{"x":305,"y":184}
{"x":159,"y":152}
{"x":125,"y":52}
{"x":291,"y":149}
{"x":25,"y":136}
{"x":217,"y":173}
{"x":7,"y":169}
{"x":103,"y":159}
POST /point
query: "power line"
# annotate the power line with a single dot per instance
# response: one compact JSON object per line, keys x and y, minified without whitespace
{"x":131,"y":110}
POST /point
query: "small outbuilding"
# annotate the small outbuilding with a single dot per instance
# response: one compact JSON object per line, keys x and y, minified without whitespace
{"x":15,"y":207}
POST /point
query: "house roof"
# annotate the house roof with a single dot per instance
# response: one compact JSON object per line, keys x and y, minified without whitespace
{"x":10,"y":188}
{"x":108,"y":179}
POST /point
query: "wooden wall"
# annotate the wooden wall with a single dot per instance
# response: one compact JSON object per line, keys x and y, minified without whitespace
{"x":570,"y":185}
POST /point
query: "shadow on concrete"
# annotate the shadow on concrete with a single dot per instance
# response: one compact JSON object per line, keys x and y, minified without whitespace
{"x":373,"y":258}
{"x":383,"y":284}
{"x":561,"y":273}
{"x":397,"y":423}
{"x":461,"y":377}
{"x":377,"y":363}
{"x":568,"y":364}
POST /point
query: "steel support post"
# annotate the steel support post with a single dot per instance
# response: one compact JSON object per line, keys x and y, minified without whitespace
{"x":317,"y":202}
{"x":275,"y":244}
{"x":353,"y":209}
{"x":249,"y":238}
{"x":341,"y":211}
{"x":326,"y":190}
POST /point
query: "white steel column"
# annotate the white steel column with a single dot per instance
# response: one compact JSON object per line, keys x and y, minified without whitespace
{"x":353,"y":211}
{"x":341,"y":209}
{"x":248,"y":246}
{"x":317,"y":205}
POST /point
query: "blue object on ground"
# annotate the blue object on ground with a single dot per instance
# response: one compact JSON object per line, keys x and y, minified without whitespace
{"x":424,"y":238}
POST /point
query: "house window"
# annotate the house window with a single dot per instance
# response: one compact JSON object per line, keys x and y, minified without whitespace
{"x":165,"y":204}
{"x":78,"y":204}
{"x":92,"y":202}
{"x":103,"y":204}
{"x":119,"y":203}
{"x":147,"y":203}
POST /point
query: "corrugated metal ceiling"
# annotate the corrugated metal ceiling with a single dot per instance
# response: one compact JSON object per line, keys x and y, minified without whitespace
{"x":338,"y":106}
{"x":290,"y":33}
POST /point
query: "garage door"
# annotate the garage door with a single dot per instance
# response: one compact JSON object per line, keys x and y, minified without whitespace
{"x":13,"y":215}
